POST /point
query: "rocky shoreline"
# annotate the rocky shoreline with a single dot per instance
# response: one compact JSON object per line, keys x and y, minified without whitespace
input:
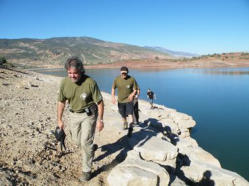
{"x":160,"y":152}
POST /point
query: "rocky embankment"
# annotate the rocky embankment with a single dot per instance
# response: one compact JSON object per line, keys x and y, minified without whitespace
{"x":160,"y":152}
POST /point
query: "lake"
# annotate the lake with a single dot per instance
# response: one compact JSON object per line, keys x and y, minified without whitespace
{"x":217,"y":99}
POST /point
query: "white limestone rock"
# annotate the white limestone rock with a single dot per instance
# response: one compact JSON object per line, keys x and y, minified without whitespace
{"x":189,"y":147}
{"x":182,"y":120}
{"x":131,"y":176}
{"x":152,"y":148}
{"x":166,"y":125}
{"x":197,"y":171}
{"x":186,"y":143}
{"x":184,"y":133}
{"x":179,"y":115}
{"x":203,"y":156}
{"x":135,"y":171}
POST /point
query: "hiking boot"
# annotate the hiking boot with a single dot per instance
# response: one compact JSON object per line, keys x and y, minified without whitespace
{"x":130,"y":132}
{"x":86,"y":176}
{"x":125,"y":125}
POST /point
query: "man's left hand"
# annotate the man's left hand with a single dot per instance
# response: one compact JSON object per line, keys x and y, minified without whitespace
{"x":131,"y":96}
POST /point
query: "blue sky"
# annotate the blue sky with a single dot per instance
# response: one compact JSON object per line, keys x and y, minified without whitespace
{"x":197,"y":26}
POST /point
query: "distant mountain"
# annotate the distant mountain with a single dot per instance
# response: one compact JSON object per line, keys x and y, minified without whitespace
{"x":173,"y":53}
{"x":54,"y":51}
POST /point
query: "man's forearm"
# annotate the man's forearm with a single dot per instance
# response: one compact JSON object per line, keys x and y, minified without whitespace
{"x":101,"y":110}
{"x":60,"y":110}
{"x":113,"y":92}
{"x":113,"y":96}
{"x":138,"y":92}
{"x":134,"y":92}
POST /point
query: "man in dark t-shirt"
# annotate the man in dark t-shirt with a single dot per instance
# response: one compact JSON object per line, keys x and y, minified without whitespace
{"x":127,"y":88}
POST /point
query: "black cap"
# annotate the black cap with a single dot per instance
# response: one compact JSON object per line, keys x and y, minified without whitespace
{"x":123,"y":68}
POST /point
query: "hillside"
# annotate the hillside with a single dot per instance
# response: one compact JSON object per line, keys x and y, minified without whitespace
{"x":228,"y":60}
{"x":54,"y":51}
{"x":178,"y":54}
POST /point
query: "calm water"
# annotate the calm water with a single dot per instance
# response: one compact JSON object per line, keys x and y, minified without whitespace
{"x":218,"y":100}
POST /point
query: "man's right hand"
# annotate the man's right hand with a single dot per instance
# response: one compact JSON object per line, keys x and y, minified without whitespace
{"x":113,"y":100}
{"x":131,"y":97}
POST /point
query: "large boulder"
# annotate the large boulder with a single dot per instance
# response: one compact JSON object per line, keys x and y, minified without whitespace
{"x":135,"y":172}
{"x":131,"y":176}
{"x":181,"y":125}
{"x":189,"y":147}
{"x":202,"y":173}
{"x":153,"y":148}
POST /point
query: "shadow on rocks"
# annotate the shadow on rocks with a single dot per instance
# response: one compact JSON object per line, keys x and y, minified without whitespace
{"x":173,"y":137}
{"x":183,"y":160}
{"x":164,"y":129}
{"x":206,"y":179}
{"x":124,"y":145}
{"x":139,"y":138}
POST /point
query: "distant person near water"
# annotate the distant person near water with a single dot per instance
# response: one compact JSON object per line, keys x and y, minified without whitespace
{"x":151,"y":97}
{"x":127,"y":89}
{"x":86,"y":111}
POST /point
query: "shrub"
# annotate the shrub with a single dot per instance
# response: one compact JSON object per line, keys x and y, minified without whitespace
{"x":2,"y":60}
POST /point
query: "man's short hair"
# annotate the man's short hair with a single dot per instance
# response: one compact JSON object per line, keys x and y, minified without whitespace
{"x":74,"y":62}
{"x":124,"y":68}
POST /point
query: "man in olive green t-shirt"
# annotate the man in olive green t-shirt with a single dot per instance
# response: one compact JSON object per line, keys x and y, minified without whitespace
{"x":127,"y":89}
{"x":86,"y":110}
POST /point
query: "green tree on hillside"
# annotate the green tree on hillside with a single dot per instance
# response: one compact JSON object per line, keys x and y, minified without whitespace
{"x":2,"y":60}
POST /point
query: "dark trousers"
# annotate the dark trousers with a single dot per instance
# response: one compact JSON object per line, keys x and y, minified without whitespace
{"x":135,"y":109}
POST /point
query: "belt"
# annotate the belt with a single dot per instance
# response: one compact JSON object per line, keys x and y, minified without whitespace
{"x":77,"y":111}
{"x":87,"y":110}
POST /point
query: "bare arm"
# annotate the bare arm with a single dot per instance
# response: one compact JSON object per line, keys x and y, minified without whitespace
{"x":131,"y":96}
{"x":138,"y":92}
{"x":60,"y":110}
{"x":113,"y":96}
{"x":100,"y":123}
{"x":135,"y":91}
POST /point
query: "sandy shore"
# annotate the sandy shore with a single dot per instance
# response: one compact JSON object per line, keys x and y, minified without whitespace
{"x":147,"y":64}
{"x":30,"y":153}
{"x":164,"y":64}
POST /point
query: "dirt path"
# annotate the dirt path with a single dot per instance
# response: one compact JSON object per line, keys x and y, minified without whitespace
{"x":29,"y":151}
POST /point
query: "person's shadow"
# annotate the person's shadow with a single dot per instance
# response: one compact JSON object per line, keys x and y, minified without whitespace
{"x":124,"y":145}
{"x":164,"y":129}
{"x":183,"y":160}
{"x":206,"y":181}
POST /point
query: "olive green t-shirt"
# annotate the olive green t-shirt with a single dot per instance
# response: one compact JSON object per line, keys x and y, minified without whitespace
{"x":79,"y":95}
{"x":125,"y":87}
